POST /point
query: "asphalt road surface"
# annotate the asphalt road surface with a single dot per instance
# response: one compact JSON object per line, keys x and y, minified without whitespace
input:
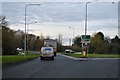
{"x":63,"y":67}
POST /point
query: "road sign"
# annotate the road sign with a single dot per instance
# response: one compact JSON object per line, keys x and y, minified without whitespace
{"x":85,"y":38}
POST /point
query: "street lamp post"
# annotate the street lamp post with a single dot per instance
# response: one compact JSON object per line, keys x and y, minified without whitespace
{"x":25,"y":24}
{"x":86,"y":7}
{"x":28,"y":35}
{"x":86,"y":17}
{"x":86,"y":11}
{"x":86,"y":20}
{"x":73,"y":36}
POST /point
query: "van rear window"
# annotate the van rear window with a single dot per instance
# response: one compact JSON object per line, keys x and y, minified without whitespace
{"x":47,"y":48}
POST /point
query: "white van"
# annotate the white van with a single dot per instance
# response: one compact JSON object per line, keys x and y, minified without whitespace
{"x":47,"y":52}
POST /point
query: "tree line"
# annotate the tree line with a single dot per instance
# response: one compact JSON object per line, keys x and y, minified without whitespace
{"x":11,"y":40}
{"x":100,"y":44}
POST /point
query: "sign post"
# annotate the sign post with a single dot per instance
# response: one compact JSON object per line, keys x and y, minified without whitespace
{"x":85,"y":40}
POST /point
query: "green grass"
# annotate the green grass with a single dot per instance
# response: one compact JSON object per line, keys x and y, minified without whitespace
{"x":7,"y":59}
{"x":92,"y":55}
{"x":104,"y":55}
{"x":0,"y":59}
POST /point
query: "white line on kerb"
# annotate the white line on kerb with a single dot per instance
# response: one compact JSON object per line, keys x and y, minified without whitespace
{"x":85,"y":58}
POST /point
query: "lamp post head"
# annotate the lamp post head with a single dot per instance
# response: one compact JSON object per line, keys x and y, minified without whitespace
{"x":96,"y":0}
{"x":38,"y":4}
{"x":88,"y":2}
{"x":113,"y":2}
{"x":33,"y":4}
{"x":91,"y":1}
{"x":35,"y":21}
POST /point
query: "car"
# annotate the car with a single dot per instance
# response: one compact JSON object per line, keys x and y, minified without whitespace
{"x":69,"y":51}
{"x":47,"y":52}
{"x":19,"y":49}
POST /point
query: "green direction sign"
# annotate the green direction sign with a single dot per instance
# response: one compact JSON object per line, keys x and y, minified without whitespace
{"x":85,"y":38}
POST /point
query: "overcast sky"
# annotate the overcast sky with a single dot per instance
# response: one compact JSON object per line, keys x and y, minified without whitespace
{"x":54,"y":18}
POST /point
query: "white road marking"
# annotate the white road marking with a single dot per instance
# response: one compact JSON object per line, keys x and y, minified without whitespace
{"x":85,"y":58}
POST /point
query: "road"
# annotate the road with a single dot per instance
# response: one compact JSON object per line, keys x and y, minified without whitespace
{"x":63,"y":67}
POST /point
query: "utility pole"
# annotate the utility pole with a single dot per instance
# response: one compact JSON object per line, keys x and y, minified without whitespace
{"x":73,"y":36}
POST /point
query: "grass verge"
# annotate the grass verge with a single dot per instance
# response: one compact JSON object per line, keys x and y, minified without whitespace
{"x":92,"y":55}
{"x":8,"y":59}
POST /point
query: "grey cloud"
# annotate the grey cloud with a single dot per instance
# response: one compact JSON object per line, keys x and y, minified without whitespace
{"x":60,"y":12}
